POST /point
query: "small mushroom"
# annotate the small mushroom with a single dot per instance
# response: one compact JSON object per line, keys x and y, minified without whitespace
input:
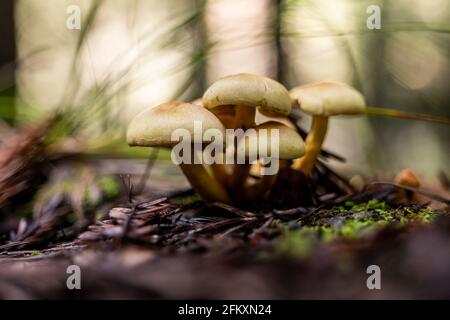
{"x":322,"y":100}
{"x":242,"y":94}
{"x":357,"y":182}
{"x":154,"y":126}
{"x":290,"y":145}
{"x":407,"y":178}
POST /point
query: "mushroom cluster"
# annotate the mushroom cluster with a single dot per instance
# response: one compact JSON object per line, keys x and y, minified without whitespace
{"x":236,"y":103}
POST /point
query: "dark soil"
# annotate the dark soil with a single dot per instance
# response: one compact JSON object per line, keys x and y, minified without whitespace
{"x":167,"y":249}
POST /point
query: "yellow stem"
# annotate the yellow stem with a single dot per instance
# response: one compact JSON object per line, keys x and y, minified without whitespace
{"x":207,"y":187}
{"x":226,"y":115}
{"x":264,"y":185}
{"x":221,"y":174}
{"x":313,"y":145}
{"x":245,"y":119}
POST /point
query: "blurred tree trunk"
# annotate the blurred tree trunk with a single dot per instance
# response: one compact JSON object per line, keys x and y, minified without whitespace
{"x":196,"y":83}
{"x":201,"y":46}
{"x":7,"y":60}
{"x":375,"y":84}
{"x":277,"y":27}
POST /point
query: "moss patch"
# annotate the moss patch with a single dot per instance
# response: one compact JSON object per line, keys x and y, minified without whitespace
{"x":350,"y":221}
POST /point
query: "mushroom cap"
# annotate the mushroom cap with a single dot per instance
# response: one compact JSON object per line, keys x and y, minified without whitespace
{"x":226,"y":114}
{"x":153,"y":127}
{"x":249,"y":90}
{"x":291,"y":144}
{"x":329,"y":98}
{"x":407,"y":178}
{"x":198,"y":101}
{"x":261,"y":118}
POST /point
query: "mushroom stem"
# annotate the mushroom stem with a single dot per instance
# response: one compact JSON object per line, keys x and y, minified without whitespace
{"x":245,"y":119}
{"x":313,"y":145}
{"x":385,"y":112}
{"x":220,"y":173}
{"x":264,"y":185}
{"x":200,"y":180}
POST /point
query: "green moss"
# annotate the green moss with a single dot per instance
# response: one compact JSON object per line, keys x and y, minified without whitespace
{"x":354,"y":229}
{"x":422,"y":215}
{"x":350,"y":221}
{"x":370,"y":205}
{"x":298,"y":242}
{"x":33,"y":253}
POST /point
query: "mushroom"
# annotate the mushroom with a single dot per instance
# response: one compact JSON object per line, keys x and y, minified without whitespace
{"x":247,"y":92}
{"x":241,"y":95}
{"x":261,"y":118}
{"x":154,"y":126}
{"x":226,"y":116}
{"x":289,"y":145}
{"x":407,"y":178}
{"x":322,"y":100}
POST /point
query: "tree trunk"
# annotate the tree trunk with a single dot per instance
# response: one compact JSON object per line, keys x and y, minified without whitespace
{"x":7,"y":60}
{"x":277,"y":26}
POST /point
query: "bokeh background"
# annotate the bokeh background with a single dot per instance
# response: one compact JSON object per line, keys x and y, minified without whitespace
{"x":131,"y":54}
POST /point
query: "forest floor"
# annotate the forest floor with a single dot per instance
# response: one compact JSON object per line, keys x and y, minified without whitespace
{"x":178,"y":247}
{"x":141,"y":237}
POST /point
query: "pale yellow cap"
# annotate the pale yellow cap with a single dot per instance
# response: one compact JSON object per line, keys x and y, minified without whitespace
{"x":249,"y":90}
{"x":291,"y":144}
{"x":329,"y":98}
{"x":154,"y":126}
